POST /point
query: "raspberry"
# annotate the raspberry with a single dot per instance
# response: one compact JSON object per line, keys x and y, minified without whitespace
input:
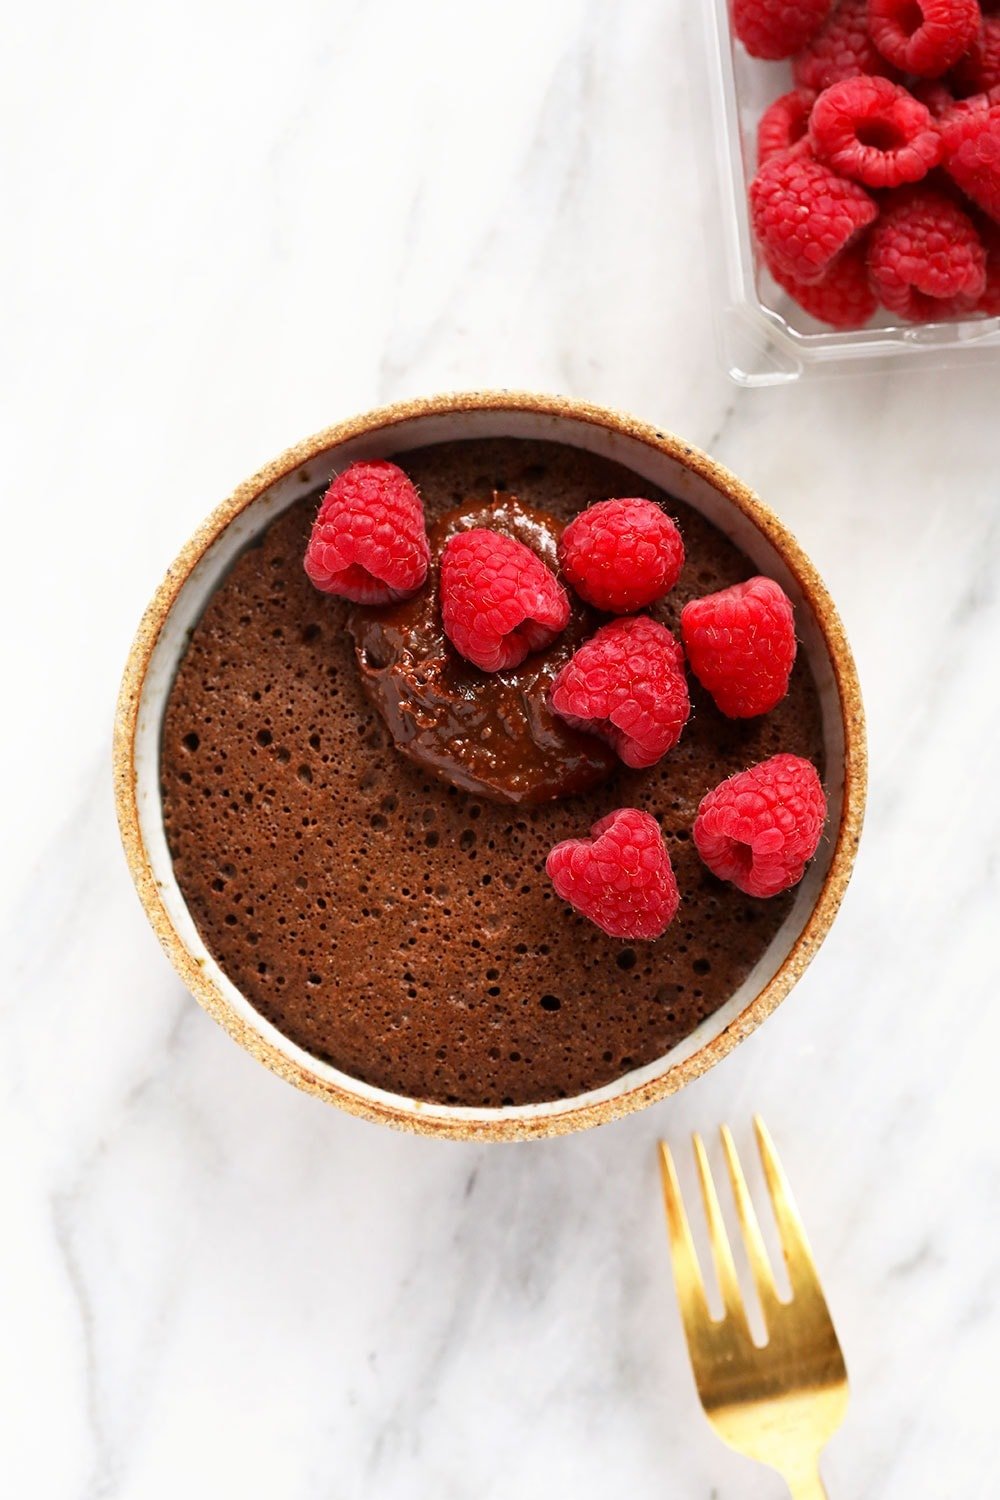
{"x":620,"y":877}
{"x":936,"y":95}
{"x":741,"y":646}
{"x":627,"y":685}
{"x":368,"y":542}
{"x":760,"y":828}
{"x":989,"y":302}
{"x":844,"y":297}
{"x":784,"y":123}
{"x":803,"y":215}
{"x":621,"y":555}
{"x":841,"y":49}
{"x":942,"y":102}
{"x":925,"y":37}
{"x":874,"y":131}
{"x":498,"y":599}
{"x":777,"y":28}
{"x":972,"y":154}
{"x":925,"y":259}
{"x":979,"y":70}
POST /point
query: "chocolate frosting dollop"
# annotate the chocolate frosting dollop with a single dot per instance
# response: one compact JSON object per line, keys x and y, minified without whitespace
{"x":492,"y":733}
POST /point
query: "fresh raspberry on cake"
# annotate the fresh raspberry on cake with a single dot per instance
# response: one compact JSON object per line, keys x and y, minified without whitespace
{"x":844,"y":298}
{"x":925,"y":37}
{"x":925,"y":258}
{"x":620,"y":877}
{"x":874,"y":131}
{"x":499,"y":601}
{"x":804,"y":215}
{"x":784,"y":123}
{"x":621,"y":555}
{"x":740,"y":644}
{"x":979,"y":70}
{"x":369,"y":541}
{"x":627,"y":685}
{"x":777,"y":28}
{"x":841,"y":48}
{"x":972,"y":154}
{"x":760,"y":828}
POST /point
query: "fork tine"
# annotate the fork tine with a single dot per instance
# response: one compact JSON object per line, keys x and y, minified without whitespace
{"x":798,"y":1257}
{"x":725,"y":1270}
{"x":687,"y":1272}
{"x":760,"y":1263}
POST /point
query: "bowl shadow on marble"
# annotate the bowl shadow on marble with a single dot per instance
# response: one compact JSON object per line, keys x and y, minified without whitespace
{"x":657,"y":456}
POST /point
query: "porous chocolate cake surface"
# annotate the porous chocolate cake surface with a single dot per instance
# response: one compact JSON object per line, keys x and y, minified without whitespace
{"x":396,"y":926}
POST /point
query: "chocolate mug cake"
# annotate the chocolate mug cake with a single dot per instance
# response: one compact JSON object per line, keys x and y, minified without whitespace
{"x":359,"y":824}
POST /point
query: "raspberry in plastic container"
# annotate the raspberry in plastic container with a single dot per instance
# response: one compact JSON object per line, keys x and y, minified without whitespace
{"x":925,"y":257}
{"x":989,"y":302}
{"x":925,"y":37}
{"x":804,"y":215}
{"x":972,"y":154}
{"x":875,"y":132}
{"x":784,"y":123}
{"x":777,"y":28}
{"x":842,"y":48}
{"x":776,"y":322}
{"x":979,"y":70}
{"x":843,"y":298}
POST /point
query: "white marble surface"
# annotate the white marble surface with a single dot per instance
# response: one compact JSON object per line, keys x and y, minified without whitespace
{"x":228,"y":226}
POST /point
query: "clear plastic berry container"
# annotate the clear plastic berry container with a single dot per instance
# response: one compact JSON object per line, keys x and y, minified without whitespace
{"x":764,"y":338}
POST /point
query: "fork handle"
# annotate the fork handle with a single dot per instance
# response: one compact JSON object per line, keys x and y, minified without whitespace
{"x":807,"y":1486}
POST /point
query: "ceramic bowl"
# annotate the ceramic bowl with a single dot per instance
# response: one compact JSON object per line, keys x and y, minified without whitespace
{"x":666,"y":461}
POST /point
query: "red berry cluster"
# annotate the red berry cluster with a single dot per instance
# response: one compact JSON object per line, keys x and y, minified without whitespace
{"x":626,"y":683}
{"x":878,"y":175}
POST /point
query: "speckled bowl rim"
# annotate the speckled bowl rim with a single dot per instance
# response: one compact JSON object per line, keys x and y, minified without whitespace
{"x":497,"y":1124}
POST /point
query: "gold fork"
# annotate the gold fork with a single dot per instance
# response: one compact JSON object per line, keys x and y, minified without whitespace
{"x":782,"y":1401}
